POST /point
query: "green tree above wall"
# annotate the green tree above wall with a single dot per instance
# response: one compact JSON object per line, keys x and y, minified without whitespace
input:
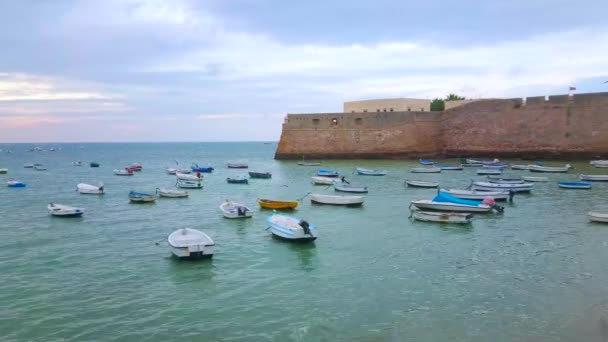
{"x":439,"y":104}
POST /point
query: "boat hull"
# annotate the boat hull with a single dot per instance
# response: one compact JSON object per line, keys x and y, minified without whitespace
{"x":421,"y":184}
{"x":535,"y":179}
{"x":317,"y":180}
{"x":477,"y":195}
{"x":487,"y":186}
{"x":594,"y":178}
{"x":270,"y":204}
{"x":597,"y":217}
{"x":574,"y":185}
{"x":231,"y":211}
{"x":447,"y":206}
{"x":261,"y":175}
{"x":425,"y":170}
{"x":441,"y":217}
{"x":547,"y":169}
{"x":188,"y":253}
{"x":287,"y":228}
{"x":337,"y":200}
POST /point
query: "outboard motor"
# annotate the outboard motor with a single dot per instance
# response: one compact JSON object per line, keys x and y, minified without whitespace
{"x":490,"y":202}
{"x":305,"y":226}
{"x":241,"y":211}
{"x":511,"y":194}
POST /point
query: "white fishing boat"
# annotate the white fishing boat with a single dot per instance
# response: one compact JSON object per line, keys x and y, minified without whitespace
{"x":190,"y":243}
{"x":599,"y":163}
{"x":171,"y":193}
{"x":477,"y":195}
{"x":39,"y":168}
{"x":336,"y":200}
{"x":449,"y":206}
{"x":319,"y":180}
{"x":519,"y":167}
{"x":185,"y":176}
{"x":488,"y":171}
{"x":369,"y":172}
{"x":598,"y":217}
{"x":449,"y":167}
{"x":421,"y":184}
{"x":89,"y":189}
{"x":119,"y":172}
{"x":442,"y":217}
{"x":554,"y":169}
{"x":171,"y":170}
{"x":28,"y":166}
{"x":345,"y":187}
{"x":237,"y":165}
{"x":291,"y":228}
{"x":535,"y":179}
{"x":189,"y":184}
{"x":77,"y":163}
{"x":595,"y":178}
{"x":487,"y":186}
{"x":235,"y":210}
{"x":64,"y":210}
{"x":425,"y":170}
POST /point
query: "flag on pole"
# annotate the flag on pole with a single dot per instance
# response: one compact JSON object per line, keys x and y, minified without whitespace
{"x":572,"y":88}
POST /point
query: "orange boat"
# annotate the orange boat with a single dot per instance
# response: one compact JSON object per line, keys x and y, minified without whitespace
{"x":271,"y":204}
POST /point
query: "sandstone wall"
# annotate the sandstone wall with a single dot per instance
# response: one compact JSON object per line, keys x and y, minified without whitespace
{"x":387,"y":105}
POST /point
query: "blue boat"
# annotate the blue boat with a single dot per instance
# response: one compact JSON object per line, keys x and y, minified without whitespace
{"x":205,"y":169}
{"x":141,"y":197}
{"x":237,"y":180}
{"x":15,"y":184}
{"x":456,"y":167}
{"x":574,"y":185}
{"x":264,"y":175}
{"x":426,"y":161}
{"x":327,"y":173}
{"x":445,"y":197}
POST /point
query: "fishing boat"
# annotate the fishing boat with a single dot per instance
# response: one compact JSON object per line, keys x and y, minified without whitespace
{"x":64,"y":210}
{"x":235,"y":210}
{"x":505,"y":180}
{"x":316,"y":180}
{"x":554,"y":169}
{"x":345,"y":187}
{"x":89,"y":189}
{"x":598,"y":217}
{"x":487,"y":186}
{"x":237,"y":165}
{"x":264,"y":175}
{"x":125,"y":172}
{"x":274,"y":204}
{"x":442,"y":217}
{"x":368,"y":172}
{"x":15,"y":184}
{"x":575,"y":185}
{"x":449,"y":167}
{"x":327,"y":173}
{"x":337,"y":200}
{"x":425,"y":170}
{"x":499,"y":166}
{"x":447,"y":202}
{"x":135,"y":167}
{"x":426,"y":161}
{"x":171,"y":193}
{"x":171,"y":170}
{"x":189,"y":184}
{"x":421,"y":184}
{"x":488,"y":172}
{"x":478,"y":195}
{"x":237,"y":180}
{"x":3,"y":171}
{"x":39,"y":168}
{"x":205,"y":169}
{"x":595,"y":178}
{"x":28,"y":165}
{"x":190,"y":243}
{"x":599,"y":163}
{"x":187,"y":176}
{"x":77,"y":163}
{"x":93,"y":164}
{"x":291,"y":228}
{"x":482,"y":162}
{"x":140,"y":197}
{"x":519,"y":167}
{"x":535,"y":179}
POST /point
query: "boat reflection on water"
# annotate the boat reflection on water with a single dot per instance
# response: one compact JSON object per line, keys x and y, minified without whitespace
{"x":306,"y":253}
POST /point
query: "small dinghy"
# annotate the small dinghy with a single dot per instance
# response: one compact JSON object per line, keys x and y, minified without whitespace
{"x":274,"y":204}
{"x":237,"y":165}
{"x":94,"y":164}
{"x":316,"y":180}
{"x":187,"y":176}
{"x":426,"y":161}
{"x":554,"y":169}
{"x":594,"y":178}
{"x":28,"y":166}
{"x":599,"y":163}
{"x":291,"y":228}
{"x":89,"y":189}
{"x":447,"y":202}
{"x":171,"y":170}
{"x":123,"y":172}
{"x":189,"y":184}
{"x":237,"y":180}
{"x":140,"y":197}
{"x":505,"y":180}
{"x":368,"y":172}
{"x":135,"y":167}
{"x":488,"y":172}
{"x":205,"y":169}
{"x":233,"y":210}
{"x":77,"y":163}
{"x":478,"y":195}
{"x":425,"y":170}
{"x":336,"y":200}
{"x":327,"y":173}
{"x":345,"y":187}
{"x":598,"y":217}
{"x":421,"y":184}
{"x":3,"y":171}
{"x":310,"y":163}
{"x":499,"y":166}
{"x":40,"y":168}
{"x":441,"y":217}
{"x":263,"y":175}
{"x":64,"y":210}
{"x":535,"y":179}
{"x":449,"y":167}
{"x":482,"y":162}
{"x":519,"y":167}
{"x":190,"y":243}
{"x":171,"y":193}
{"x":574,"y":185}
{"x":487,"y":186}
{"x":15,"y":184}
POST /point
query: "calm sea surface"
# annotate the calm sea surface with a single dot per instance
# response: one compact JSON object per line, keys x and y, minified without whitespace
{"x":537,"y":273}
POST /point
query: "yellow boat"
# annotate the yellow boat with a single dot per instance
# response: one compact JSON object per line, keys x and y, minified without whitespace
{"x":270,"y":204}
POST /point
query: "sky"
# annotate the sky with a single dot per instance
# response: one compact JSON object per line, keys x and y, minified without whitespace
{"x":229,"y":70}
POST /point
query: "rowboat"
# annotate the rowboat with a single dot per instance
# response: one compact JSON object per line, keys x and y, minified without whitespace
{"x":426,"y":161}
{"x":482,"y":162}
{"x":538,"y":168}
{"x":425,"y":170}
{"x":185,"y":176}
{"x":441,"y":217}
{"x":264,"y":175}
{"x":28,"y":166}
{"x":171,"y":193}
{"x":599,"y":163}
{"x":446,"y":202}
{"x":369,"y":172}
{"x":175,"y":171}
{"x":84,"y":188}
{"x":344,"y":187}
{"x":237,"y":180}
{"x":488,"y":172}
{"x":235,"y":210}
{"x":302,"y":163}
{"x":505,"y":180}
{"x":190,"y":243}
{"x":535,"y":179}
{"x":327,"y":173}
{"x":487,"y":186}
{"x":77,"y":163}
{"x":471,"y":165}
{"x":189,"y":184}
{"x":123,"y":172}
{"x":597,"y":217}
{"x":94,"y":164}
{"x":322,"y":180}
{"x":596,"y":178}
{"x":574,"y":185}
{"x":64,"y":210}
{"x":478,"y":195}
{"x":519,"y":167}
{"x":449,"y":167}
{"x":495,"y":166}
{"x":237,"y":165}
{"x":39,"y":168}
{"x":15,"y":184}
{"x":291,"y":228}
{"x":272,"y":204}
{"x":421,"y":184}
{"x":171,"y":170}
{"x":140,"y":197}
{"x":336,"y":200}
{"x":3,"y":171}
{"x":206,"y":169}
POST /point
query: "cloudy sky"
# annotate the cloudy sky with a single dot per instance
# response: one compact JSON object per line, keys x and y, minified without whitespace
{"x":227,"y":70}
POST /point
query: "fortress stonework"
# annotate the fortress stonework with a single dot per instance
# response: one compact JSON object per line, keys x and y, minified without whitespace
{"x":555,"y":126}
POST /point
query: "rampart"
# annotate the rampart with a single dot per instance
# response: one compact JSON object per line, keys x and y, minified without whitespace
{"x":555,"y":126}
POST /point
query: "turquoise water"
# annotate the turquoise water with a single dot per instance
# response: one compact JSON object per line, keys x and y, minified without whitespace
{"x":536,"y":273}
